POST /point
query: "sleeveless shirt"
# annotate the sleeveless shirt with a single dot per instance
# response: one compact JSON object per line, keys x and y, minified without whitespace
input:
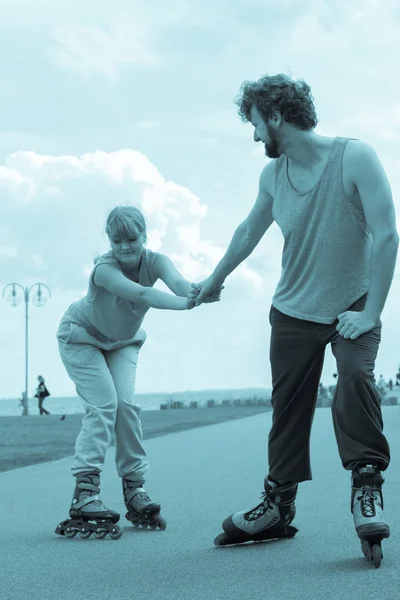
{"x":106,"y":316}
{"x":327,"y":244}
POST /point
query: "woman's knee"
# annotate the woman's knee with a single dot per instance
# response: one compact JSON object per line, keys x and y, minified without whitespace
{"x":105,"y":405}
{"x":127,"y":404}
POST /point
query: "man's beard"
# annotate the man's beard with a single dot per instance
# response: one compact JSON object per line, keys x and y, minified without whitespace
{"x":271,"y":149}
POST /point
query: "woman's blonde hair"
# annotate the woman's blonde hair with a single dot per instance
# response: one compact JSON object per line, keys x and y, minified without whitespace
{"x":126,"y":222}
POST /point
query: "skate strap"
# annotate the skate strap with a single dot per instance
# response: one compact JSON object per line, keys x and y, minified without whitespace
{"x":85,"y":501}
{"x":138,"y":491}
{"x":88,"y":486}
{"x":367,"y":482}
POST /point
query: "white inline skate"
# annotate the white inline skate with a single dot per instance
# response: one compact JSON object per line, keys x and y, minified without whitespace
{"x":269,"y":520}
{"x":367,"y":509}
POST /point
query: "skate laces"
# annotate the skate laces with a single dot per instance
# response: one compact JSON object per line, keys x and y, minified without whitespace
{"x":261,"y":508}
{"x":368,"y":501}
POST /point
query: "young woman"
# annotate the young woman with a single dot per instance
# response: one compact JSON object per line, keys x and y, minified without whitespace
{"x":99,"y":339}
{"x":42,"y":393}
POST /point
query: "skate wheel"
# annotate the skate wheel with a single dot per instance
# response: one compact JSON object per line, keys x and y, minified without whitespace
{"x":100,"y":535}
{"x":365,"y":547}
{"x":161,"y":522}
{"x":115,"y":533}
{"x":70,"y":533}
{"x":132,"y":520}
{"x":85,"y":534}
{"x":376,"y":555}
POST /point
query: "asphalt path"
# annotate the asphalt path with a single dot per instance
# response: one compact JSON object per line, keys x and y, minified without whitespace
{"x":200,"y":477}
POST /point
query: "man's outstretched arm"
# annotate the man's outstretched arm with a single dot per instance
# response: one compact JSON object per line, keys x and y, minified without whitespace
{"x":246,"y":237}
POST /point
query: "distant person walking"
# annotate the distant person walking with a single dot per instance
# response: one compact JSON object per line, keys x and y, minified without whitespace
{"x":99,"y":338}
{"x":41,"y":393}
{"x":23,"y":401}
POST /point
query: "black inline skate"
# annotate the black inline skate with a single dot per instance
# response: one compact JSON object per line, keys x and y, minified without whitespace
{"x":142,"y":511}
{"x":269,"y":520}
{"x":367,"y":509}
{"x":88,"y":514}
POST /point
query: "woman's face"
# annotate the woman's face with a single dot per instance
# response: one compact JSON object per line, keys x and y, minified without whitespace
{"x":127,"y":251}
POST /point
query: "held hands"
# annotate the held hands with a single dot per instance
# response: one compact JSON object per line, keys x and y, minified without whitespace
{"x":206,"y":291}
{"x":353,"y":324}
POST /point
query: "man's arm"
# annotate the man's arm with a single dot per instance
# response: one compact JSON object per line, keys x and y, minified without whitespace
{"x":249,"y":233}
{"x":376,"y":197}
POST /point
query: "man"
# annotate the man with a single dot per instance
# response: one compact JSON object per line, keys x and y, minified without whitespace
{"x":333,"y":203}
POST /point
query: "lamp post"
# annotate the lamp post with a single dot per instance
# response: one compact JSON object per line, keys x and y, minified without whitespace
{"x":39,"y":300}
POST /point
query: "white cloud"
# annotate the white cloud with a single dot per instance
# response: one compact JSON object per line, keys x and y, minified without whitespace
{"x":71,"y":198}
{"x":15,"y":186}
{"x":251,"y":277}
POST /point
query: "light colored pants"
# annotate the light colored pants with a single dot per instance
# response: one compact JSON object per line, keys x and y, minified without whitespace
{"x":104,"y":376}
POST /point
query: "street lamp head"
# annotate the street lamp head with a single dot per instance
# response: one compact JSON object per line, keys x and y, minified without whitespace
{"x":39,"y":299}
{"x":13,"y":297}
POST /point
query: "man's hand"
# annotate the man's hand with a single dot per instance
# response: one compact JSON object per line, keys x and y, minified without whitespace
{"x":214,"y":296}
{"x":353,"y":324}
{"x":205,"y":291}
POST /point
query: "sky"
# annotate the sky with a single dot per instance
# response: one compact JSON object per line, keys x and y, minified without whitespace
{"x":106,"y":103}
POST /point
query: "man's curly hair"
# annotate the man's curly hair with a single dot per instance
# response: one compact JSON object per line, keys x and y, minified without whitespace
{"x":291,"y":98}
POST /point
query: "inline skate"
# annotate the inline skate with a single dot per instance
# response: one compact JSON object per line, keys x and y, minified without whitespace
{"x":88,"y":514}
{"x":269,"y":520}
{"x":367,"y":509}
{"x":142,"y":511}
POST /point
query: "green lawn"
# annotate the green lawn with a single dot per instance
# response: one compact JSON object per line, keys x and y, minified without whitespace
{"x":34,"y":439}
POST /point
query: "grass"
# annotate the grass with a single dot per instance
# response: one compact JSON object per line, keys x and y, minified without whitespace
{"x":35,"y":439}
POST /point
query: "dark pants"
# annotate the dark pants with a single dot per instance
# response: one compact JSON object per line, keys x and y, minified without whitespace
{"x":42,"y":410}
{"x":297,"y":355}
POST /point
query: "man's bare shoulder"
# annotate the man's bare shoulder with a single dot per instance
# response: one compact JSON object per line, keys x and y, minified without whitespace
{"x":358,"y":149}
{"x":360,"y":160}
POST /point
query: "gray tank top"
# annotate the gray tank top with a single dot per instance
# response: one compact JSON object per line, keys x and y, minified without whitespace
{"x":327,"y":244}
{"x":108,"y":317}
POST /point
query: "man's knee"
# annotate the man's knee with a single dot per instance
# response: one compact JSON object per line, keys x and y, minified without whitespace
{"x":355,"y":372}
